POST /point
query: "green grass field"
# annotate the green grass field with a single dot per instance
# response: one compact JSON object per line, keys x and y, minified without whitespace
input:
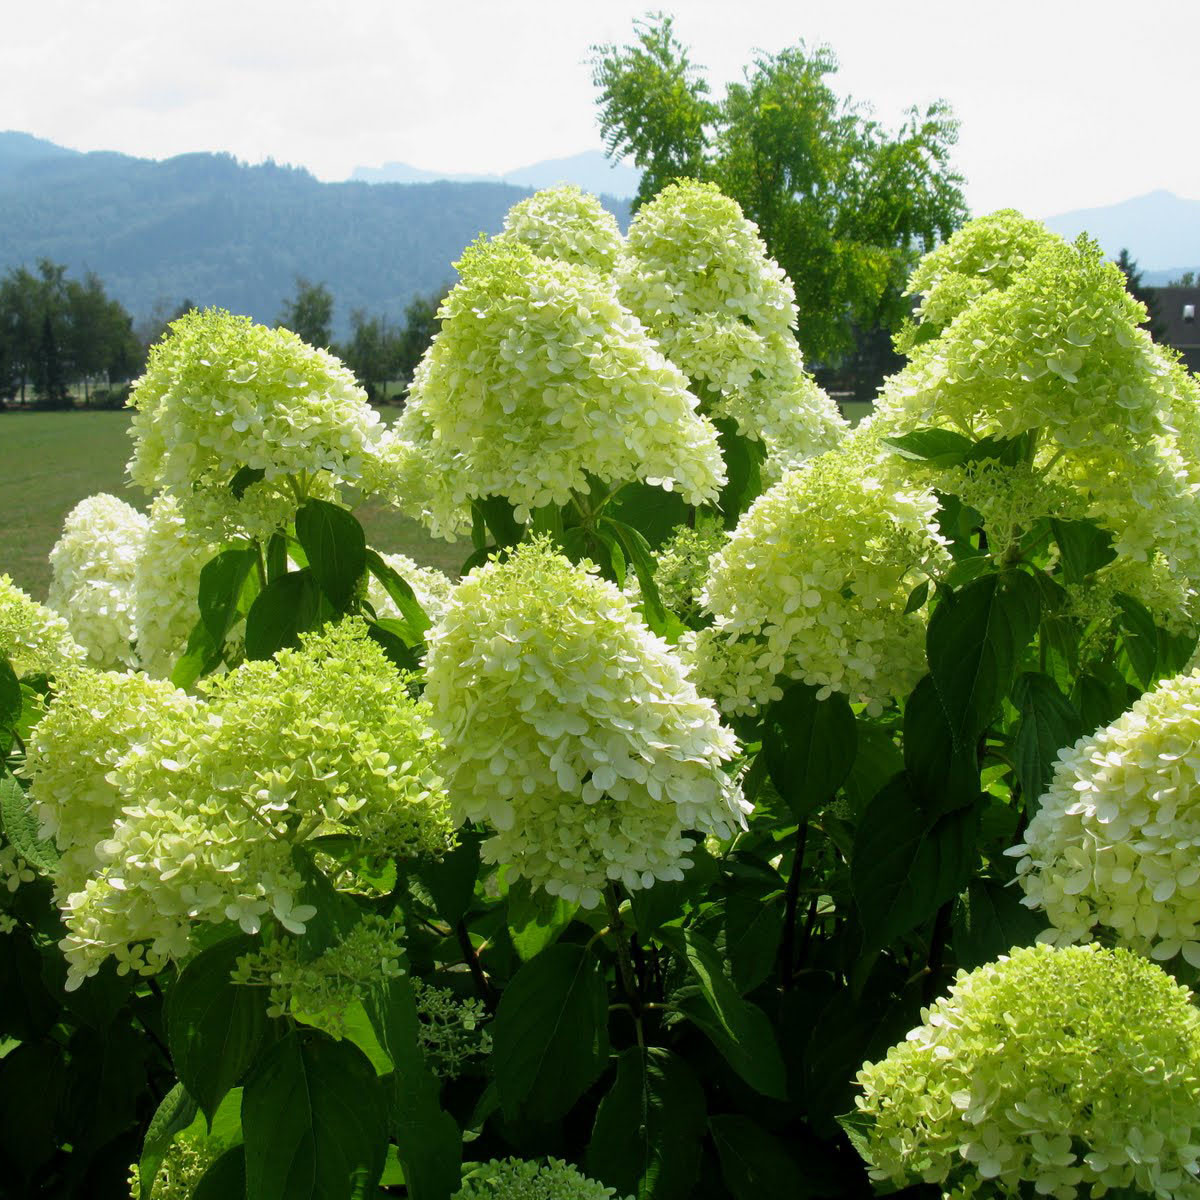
{"x":49,"y":461}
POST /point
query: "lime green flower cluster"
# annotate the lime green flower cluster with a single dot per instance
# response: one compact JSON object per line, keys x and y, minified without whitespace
{"x":539,"y":381}
{"x":91,"y":577}
{"x":574,"y":732}
{"x":567,"y":224}
{"x":1057,"y":355}
{"x":322,"y":740}
{"x":681,"y":567}
{"x":187,"y":1158}
{"x":1115,"y":843}
{"x":698,"y":277}
{"x":1041,"y":1073}
{"x":451,"y":1031}
{"x":95,"y":720}
{"x":32,"y":638}
{"x":985,"y":255}
{"x":221,"y":394}
{"x":814,"y":582}
{"x":166,"y":580}
{"x":430,"y":586}
{"x":321,"y":989}
{"x":520,"y":1179}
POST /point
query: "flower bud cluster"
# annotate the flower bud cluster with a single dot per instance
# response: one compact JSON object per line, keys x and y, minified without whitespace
{"x":184,"y":1164}
{"x":814,"y":584}
{"x":1043,"y":1072}
{"x":567,"y":224}
{"x":538,"y":382}
{"x":521,"y":1179}
{"x":573,"y":731}
{"x":1115,"y":843}
{"x":451,"y":1031}
{"x":91,"y":577}
{"x":221,"y":394}
{"x":34,"y":639}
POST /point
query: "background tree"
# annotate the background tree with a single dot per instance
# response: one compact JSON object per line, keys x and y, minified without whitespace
{"x":309,"y":313}
{"x":1139,"y":291}
{"x":844,"y":205}
{"x":372,"y":352}
{"x":421,"y":323}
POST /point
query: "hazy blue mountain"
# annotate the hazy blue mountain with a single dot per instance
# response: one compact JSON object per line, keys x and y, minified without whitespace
{"x":1158,"y":229}
{"x":591,"y":170}
{"x":216,"y":231}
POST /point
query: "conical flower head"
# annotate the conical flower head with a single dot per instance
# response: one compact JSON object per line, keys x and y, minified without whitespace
{"x":228,"y":411}
{"x":698,"y":276}
{"x":1065,"y":1073}
{"x":572,"y":730}
{"x":539,"y":380}
{"x":1113,"y":844}
{"x":92,"y":567}
{"x":567,"y":224}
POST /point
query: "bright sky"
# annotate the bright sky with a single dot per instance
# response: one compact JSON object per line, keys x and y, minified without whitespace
{"x":1064,"y":104}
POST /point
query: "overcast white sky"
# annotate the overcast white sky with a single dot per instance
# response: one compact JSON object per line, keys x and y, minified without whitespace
{"x":1063,"y":104}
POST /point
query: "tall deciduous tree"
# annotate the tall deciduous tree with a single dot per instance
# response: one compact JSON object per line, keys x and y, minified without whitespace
{"x":309,"y":313}
{"x":844,"y":204}
{"x":1139,"y":291}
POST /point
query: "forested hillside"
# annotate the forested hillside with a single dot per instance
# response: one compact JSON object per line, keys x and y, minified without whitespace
{"x":210,"y":229}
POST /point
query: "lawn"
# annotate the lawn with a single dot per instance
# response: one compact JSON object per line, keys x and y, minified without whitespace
{"x":49,"y":461}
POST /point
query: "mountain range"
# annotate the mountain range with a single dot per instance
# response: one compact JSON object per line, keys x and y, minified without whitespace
{"x":210,"y":229}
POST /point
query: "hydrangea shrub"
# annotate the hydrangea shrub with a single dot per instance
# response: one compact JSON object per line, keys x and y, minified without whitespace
{"x":613,"y":865}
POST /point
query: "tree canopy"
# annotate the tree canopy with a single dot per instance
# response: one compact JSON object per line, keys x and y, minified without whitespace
{"x":844,"y":204}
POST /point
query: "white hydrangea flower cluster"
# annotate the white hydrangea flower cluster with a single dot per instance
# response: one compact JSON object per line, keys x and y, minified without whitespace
{"x":32,"y":638}
{"x":14,"y":871}
{"x":539,"y":379}
{"x":324,"y":739}
{"x":698,"y":276}
{"x":814,"y":582}
{"x":521,"y":1179}
{"x":1057,"y":354}
{"x":574,"y":732}
{"x":221,"y":394}
{"x":567,"y":224}
{"x":1043,"y":1073}
{"x":1115,"y":843}
{"x":430,"y":586}
{"x":166,"y":580}
{"x":96,"y":717}
{"x":322,"y":989}
{"x":91,"y":583}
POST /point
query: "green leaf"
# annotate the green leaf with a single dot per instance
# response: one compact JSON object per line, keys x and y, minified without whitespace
{"x":1083,"y":547}
{"x":450,"y":880}
{"x":201,"y":656}
{"x":175,"y":1113}
{"x":753,"y":929}
{"x":665,"y":901}
{"x":221,"y":582}
{"x":754,"y":1163}
{"x":336,"y":548}
{"x":33,"y":1077}
{"x":404,"y":598}
{"x":214,"y":1027}
{"x":1139,"y":637}
{"x":497,"y":513}
{"x":1049,"y":723}
{"x":11,"y":699}
{"x":637,"y":551}
{"x":989,"y":920}
{"x":394,"y":639}
{"x":21,"y":827}
{"x":244,"y":477}
{"x":974,"y":645}
{"x":739,"y":1030}
{"x":810,"y":746}
{"x":654,"y":513}
{"x":314,"y":1116}
{"x":917,"y":597}
{"x":945,"y":775}
{"x":937,"y":447}
{"x":906,"y":863}
{"x":225,"y":1179}
{"x":646,"y":1140}
{"x":429,"y":1144}
{"x":288,"y":606}
{"x":535,"y":919}
{"x":743,"y":462}
{"x":550,"y":1035}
